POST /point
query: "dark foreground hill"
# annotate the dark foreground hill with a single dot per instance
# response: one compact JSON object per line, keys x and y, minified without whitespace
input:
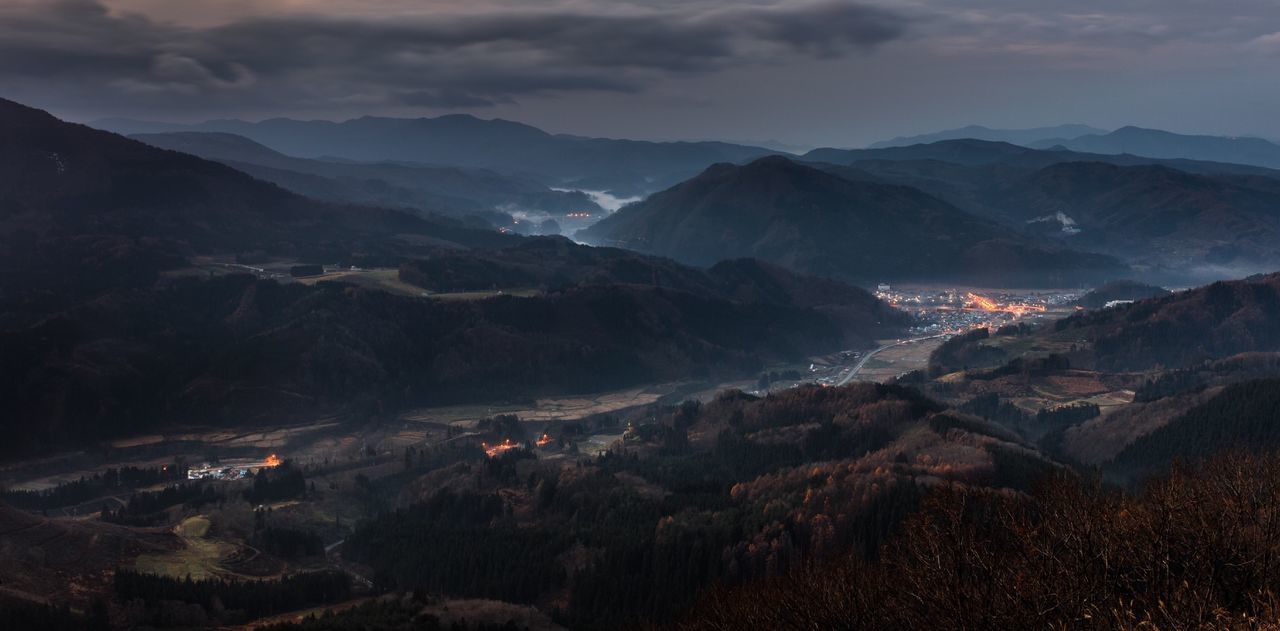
{"x":239,"y":350}
{"x":812,"y":221}
{"x":741,"y":488}
{"x":1071,"y":554}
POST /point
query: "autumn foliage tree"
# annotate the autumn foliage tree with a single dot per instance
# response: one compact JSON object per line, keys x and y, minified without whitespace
{"x":1197,"y":549}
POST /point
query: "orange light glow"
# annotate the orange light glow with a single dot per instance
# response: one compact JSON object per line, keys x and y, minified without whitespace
{"x":983,"y":303}
{"x":986,"y":304}
{"x":544,"y":439}
{"x":502,"y":447}
{"x":272,"y":461}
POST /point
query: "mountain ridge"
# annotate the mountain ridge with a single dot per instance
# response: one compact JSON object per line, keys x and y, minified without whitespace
{"x":808,"y":220}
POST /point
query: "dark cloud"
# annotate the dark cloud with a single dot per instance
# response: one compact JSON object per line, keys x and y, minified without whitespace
{"x":78,"y":47}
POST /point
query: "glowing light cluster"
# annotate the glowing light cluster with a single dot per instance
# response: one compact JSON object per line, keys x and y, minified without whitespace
{"x":494,"y":451}
{"x":544,"y":439}
{"x":983,"y":303}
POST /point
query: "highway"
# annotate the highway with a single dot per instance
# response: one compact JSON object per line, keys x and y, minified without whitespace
{"x":858,"y":367}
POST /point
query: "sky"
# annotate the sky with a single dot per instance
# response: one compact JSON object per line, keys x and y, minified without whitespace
{"x":801,"y":72}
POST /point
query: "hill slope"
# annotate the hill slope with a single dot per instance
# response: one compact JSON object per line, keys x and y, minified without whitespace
{"x":1151,"y":211}
{"x":552,"y":263}
{"x":814,"y":222}
{"x":82,"y":210}
{"x":444,"y":189}
{"x":1190,"y":220}
{"x":626,"y":166}
{"x":1215,"y":321}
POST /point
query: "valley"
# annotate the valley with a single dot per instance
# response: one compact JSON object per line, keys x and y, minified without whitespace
{"x":469,"y":318}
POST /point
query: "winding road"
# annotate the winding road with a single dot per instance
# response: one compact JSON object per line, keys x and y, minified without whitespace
{"x":863,"y":362}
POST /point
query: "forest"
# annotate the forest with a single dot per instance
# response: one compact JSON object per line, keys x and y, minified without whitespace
{"x":700,"y":495}
{"x":1198,"y":548}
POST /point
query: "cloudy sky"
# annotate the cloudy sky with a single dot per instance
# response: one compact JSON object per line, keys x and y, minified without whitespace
{"x":825,"y":72}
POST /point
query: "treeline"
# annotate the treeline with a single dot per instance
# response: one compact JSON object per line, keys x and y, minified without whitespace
{"x":143,"y":507}
{"x":390,"y":352}
{"x":219,"y":601}
{"x":276,"y":484}
{"x":1031,"y":426}
{"x":1168,"y":384}
{"x":289,"y":543}
{"x":964,"y":352}
{"x":1198,"y":549}
{"x":88,"y":488}
{"x":644,"y":556}
{"x":387,"y":614}
{"x":1243,"y":416}
{"x":19,"y":614}
{"x":1025,"y":366}
{"x":1184,"y":329}
{"x":463,"y":544}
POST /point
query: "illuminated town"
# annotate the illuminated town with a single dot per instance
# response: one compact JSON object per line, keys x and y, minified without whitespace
{"x":954,"y":310}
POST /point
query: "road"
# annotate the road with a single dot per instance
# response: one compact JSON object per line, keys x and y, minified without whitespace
{"x":858,"y":367}
{"x":328,"y":550}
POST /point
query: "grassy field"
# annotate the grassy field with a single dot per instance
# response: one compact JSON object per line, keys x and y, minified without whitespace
{"x":566,"y":408}
{"x":387,"y":280}
{"x":200,"y":557}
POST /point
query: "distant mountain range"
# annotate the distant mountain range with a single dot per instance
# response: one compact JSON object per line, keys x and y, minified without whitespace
{"x":624,"y":167}
{"x":1193,"y":220}
{"x":816,"y":222}
{"x":1155,"y":143}
{"x":456,"y":191}
{"x":971,"y":152}
{"x":977,"y":132}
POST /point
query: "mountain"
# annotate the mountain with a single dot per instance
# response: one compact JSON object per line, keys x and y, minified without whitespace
{"x":1120,"y":290}
{"x":1183,"y":329}
{"x":107,"y":328}
{"x":1150,"y":213}
{"x":553,"y":263}
{"x":1189,"y":221}
{"x":234,"y":350}
{"x":966,"y":152}
{"x":453,"y":190}
{"x":624,"y":166}
{"x":982,"y":153}
{"x":1026,"y":137}
{"x":1156,"y":143}
{"x":811,"y":221}
{"x":82,"y":210}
